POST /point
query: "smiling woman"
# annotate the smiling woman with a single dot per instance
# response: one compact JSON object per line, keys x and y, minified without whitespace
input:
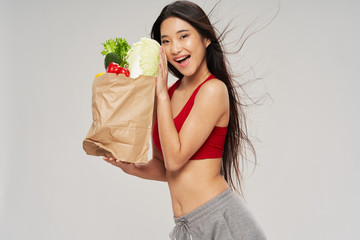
{"x":199,"y":130}
{"x":209,"y":126}
{"x":182,"y":44}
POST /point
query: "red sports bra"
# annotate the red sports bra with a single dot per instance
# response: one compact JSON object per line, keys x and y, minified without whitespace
{"x":213,"y":146}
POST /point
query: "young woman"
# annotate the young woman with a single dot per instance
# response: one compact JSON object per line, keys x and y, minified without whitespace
{"x":196,"y":133}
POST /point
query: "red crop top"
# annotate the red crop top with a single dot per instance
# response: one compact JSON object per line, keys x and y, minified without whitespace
{"x":213,"y":146}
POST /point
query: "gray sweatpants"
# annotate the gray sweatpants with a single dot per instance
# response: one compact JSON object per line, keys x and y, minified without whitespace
{"x":224,"y":217}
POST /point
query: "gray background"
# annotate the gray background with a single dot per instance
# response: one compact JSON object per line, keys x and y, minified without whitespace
{"x":306,"y":185}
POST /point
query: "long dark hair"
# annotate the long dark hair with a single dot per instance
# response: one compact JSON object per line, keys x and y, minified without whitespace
{"x":237,"y":136}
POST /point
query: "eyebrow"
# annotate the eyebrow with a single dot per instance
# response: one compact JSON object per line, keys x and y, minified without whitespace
{"x":180,"y":31}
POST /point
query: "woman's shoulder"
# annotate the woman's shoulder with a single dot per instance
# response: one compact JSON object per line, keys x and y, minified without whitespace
{"x":213,"y":99}
{"x":213,"y":87}
{"x":213,"y":91}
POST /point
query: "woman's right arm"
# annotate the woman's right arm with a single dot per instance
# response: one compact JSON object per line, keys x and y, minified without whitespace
{"x":154,"y":169}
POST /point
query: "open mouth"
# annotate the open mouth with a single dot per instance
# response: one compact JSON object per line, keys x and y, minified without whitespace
{"x":183,"y":61}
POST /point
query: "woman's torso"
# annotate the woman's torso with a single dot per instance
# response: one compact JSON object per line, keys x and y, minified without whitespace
{"x":197,"y":181}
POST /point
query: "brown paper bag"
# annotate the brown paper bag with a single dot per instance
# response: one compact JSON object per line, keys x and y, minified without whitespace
{"x":122,"y":109}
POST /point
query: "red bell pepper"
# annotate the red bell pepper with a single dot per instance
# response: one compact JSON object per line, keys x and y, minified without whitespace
{"x":115,"y":68}
{"x":127,"y":72}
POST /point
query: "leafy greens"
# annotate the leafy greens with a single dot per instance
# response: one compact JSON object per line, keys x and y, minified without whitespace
{"x":119,"y":46}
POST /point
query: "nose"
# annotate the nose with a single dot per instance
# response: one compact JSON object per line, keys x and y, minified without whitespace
{"x":176,"y":48}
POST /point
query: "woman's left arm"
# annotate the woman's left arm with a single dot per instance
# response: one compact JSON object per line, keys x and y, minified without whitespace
{"x":210,"y":104}
{"x":166,"y":125}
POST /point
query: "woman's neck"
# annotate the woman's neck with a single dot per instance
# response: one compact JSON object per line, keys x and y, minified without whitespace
{"x":197,"y":78}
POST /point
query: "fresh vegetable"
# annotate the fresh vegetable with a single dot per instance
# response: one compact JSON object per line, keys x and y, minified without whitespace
{"x":99,"y":74}
{"x":118,"y":46}
{"x":143,"y":58}
{"x":125,"y":71}
{"x":115,"y":68}
{"x":112,"y":57}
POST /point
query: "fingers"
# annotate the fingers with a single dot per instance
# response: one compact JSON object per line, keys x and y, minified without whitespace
{"x":111,"y":160}
{"x":127,"y":167}
{"x":161,"y":53}
{"x":116,"y":162}
{"x":164,"y":58}
{"x":160,"y":61}
{"x":163,"y":69}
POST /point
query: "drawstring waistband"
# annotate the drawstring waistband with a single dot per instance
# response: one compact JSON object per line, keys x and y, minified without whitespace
{"x":181,"y":230}
{"x":181,"y":227}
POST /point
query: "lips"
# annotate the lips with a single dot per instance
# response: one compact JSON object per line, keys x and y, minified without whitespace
{"x":178,"y":59}
{"x":182,"y":60}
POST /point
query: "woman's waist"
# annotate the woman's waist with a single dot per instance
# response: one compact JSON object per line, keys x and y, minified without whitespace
{"x":187,"y":196}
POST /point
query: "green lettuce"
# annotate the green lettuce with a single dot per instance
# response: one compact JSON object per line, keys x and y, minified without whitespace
{"x":119,"y":46}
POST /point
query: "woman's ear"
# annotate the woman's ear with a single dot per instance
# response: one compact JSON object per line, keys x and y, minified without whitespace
{"x":207,"y":42}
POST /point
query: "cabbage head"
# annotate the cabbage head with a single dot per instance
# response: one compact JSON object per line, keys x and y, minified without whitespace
{"x":143,"y":58}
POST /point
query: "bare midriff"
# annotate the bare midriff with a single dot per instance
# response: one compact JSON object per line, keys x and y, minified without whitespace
{"x":197,"y":182}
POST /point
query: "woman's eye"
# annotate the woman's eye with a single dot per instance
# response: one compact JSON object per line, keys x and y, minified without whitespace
{"x":164,"y":41}
{"x":183,"y":36}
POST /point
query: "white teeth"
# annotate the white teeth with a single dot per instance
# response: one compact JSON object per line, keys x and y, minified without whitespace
{"x":180,"y":59}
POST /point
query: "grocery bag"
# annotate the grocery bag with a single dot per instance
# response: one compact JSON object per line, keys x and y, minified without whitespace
{"x":122,"y":111}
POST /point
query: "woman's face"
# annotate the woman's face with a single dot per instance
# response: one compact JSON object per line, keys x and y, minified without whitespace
{"x":184,"y":48}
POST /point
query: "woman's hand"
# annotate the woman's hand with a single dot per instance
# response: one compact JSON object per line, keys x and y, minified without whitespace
{"x":125,"y":166}
{"x":162,"y":78}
